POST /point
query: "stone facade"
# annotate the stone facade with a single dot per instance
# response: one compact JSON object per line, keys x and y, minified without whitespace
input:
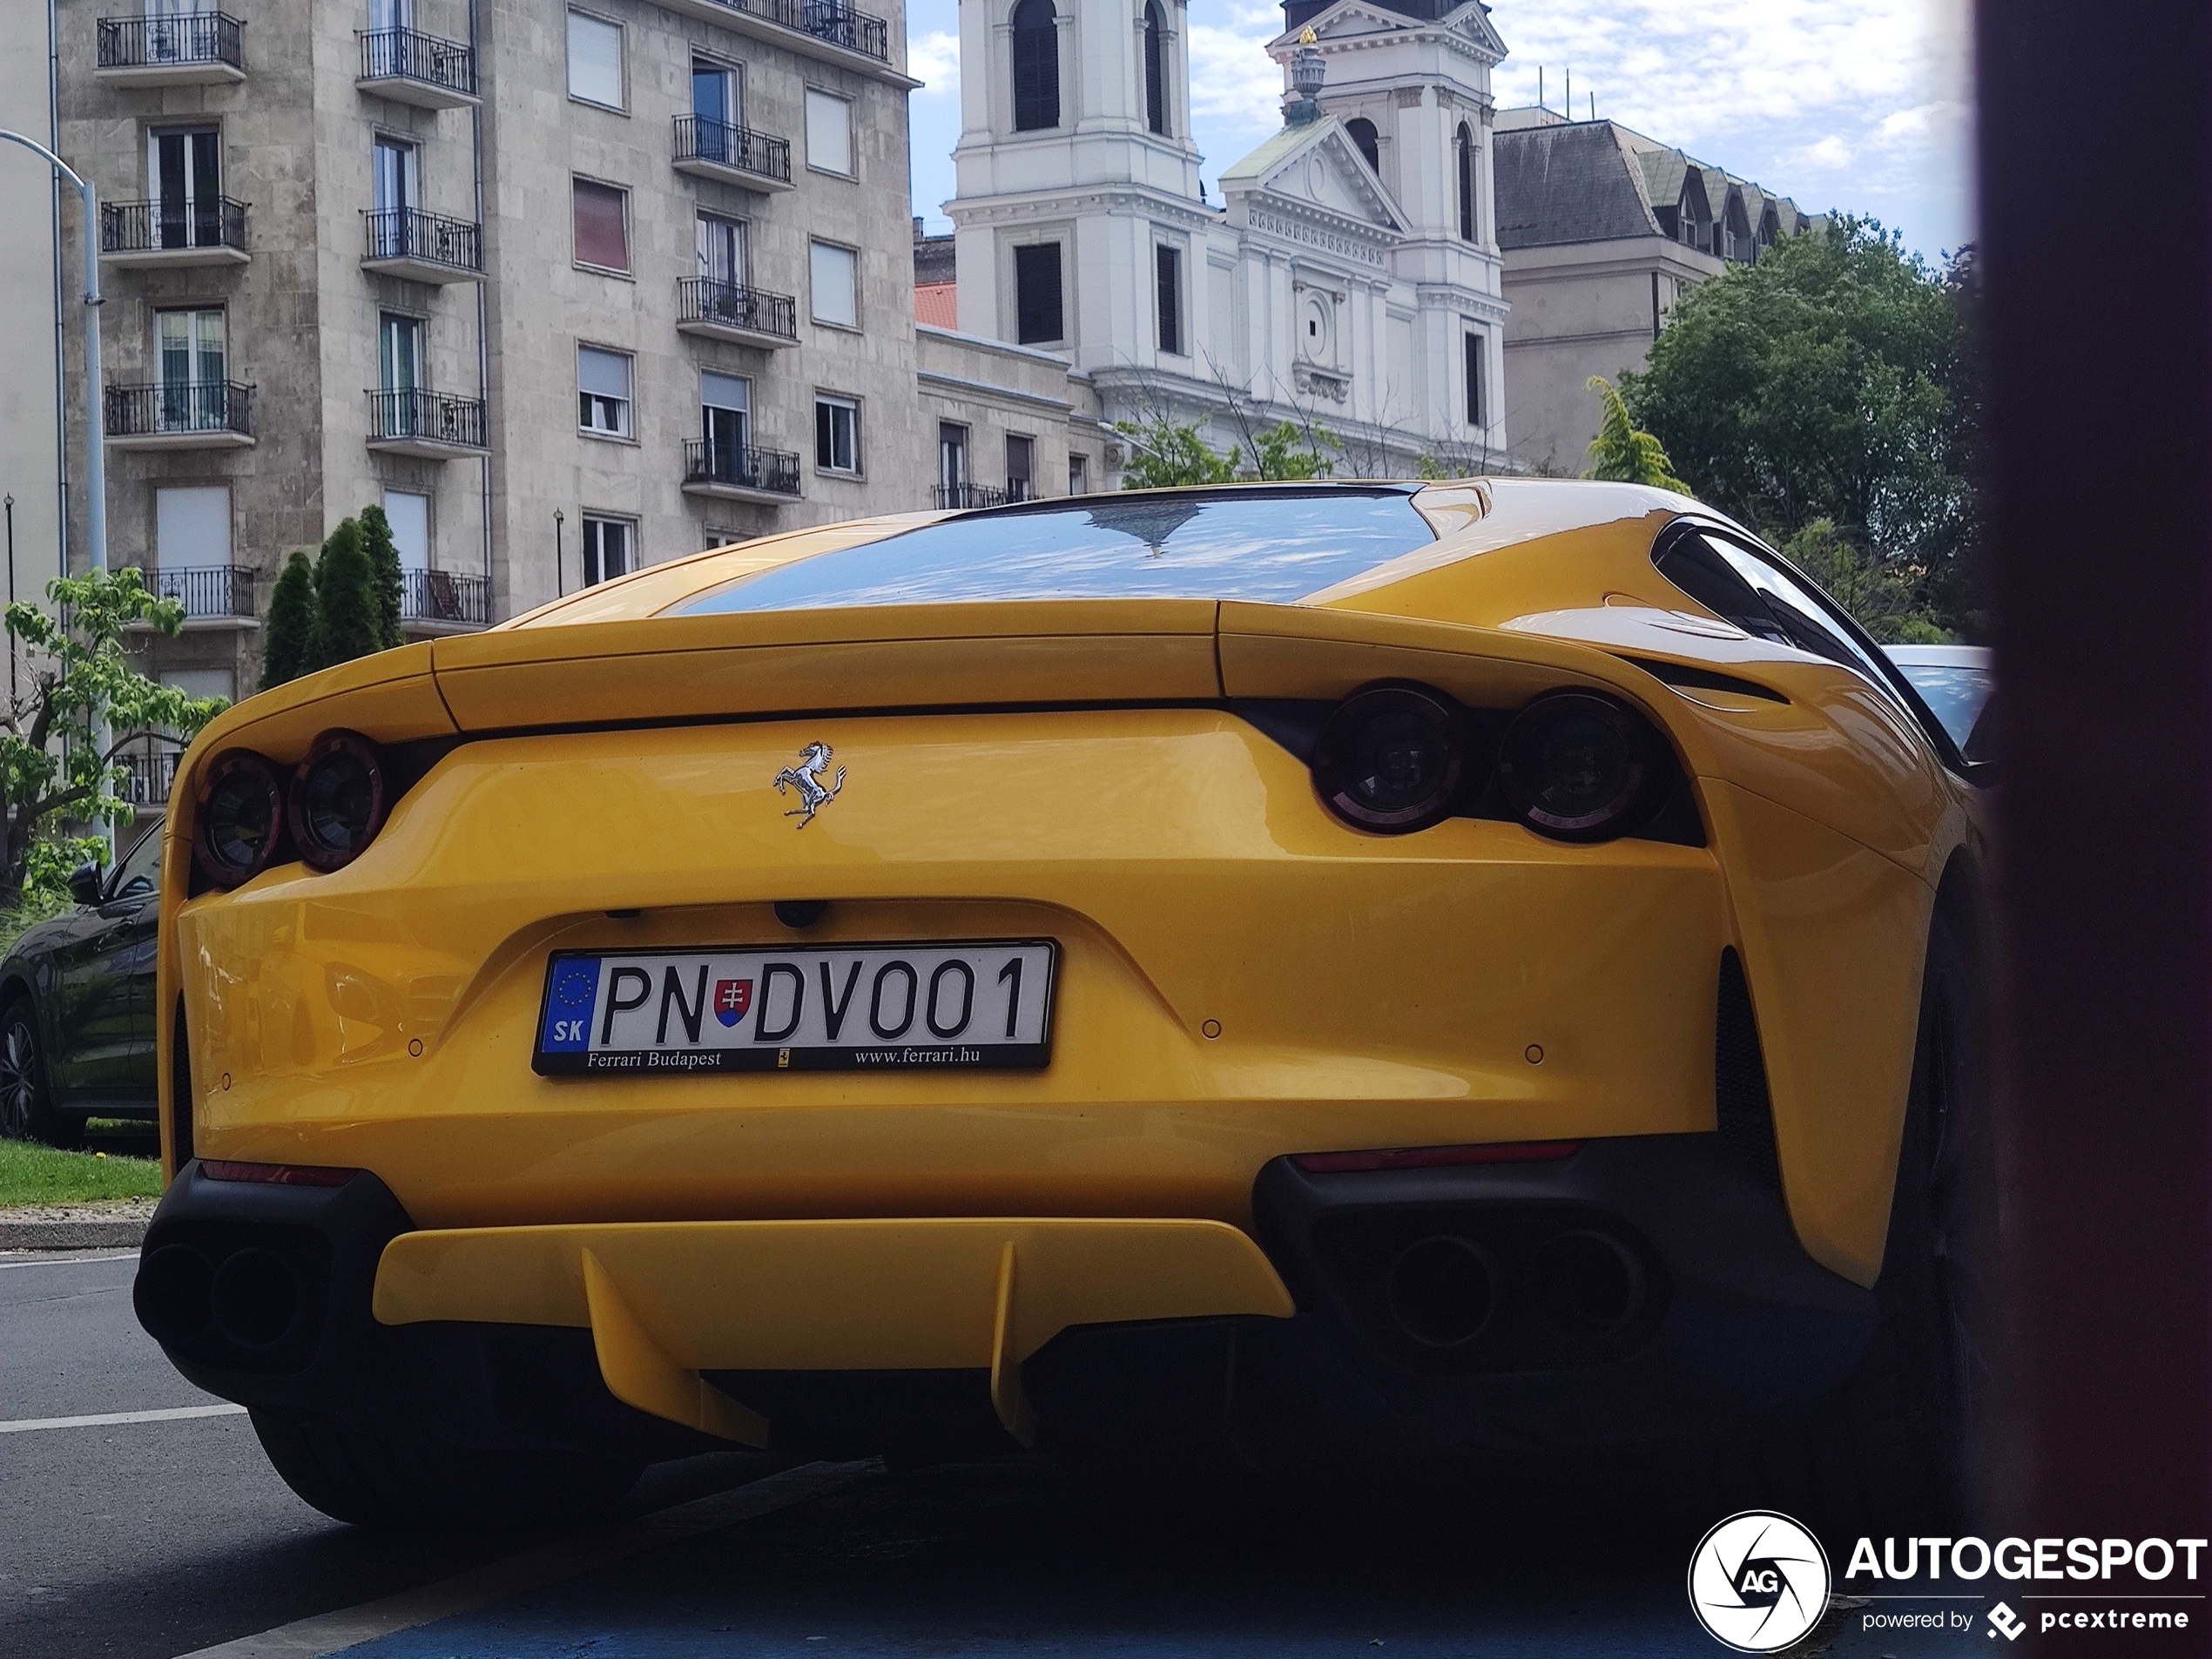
{"x":1349,"y":279}
{"x":512,"y":108}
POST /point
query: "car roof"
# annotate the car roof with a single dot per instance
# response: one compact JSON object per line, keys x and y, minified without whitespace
{"x":1938,"y":656}
{"x":840,"y":565}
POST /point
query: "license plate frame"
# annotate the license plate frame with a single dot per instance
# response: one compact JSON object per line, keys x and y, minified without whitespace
{"x":696,"y":1004}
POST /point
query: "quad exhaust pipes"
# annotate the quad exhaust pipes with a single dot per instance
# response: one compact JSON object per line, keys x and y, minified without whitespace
{"x":250,"y":1298}
{"x":1581,"y":1286}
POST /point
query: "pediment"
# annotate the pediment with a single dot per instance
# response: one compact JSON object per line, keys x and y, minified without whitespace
{"x":1355,"y":18}
{"x":1323,"y":171}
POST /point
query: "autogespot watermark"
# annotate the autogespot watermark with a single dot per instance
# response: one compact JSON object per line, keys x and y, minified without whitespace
{"x":1759,"y":1581}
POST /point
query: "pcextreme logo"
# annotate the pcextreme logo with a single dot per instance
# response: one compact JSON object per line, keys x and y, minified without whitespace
{"x":1759,"y":1582}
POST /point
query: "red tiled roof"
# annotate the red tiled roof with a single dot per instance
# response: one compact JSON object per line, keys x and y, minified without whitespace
{"x":934,"y":304}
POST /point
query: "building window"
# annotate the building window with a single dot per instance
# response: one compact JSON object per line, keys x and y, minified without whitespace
{"x":829,"y":133}
{"x":721,"y":246}
{"x":834,"y":274}
{"x":1156,"y":95}
{"x":603,"y":391}
{"x":1477,"y":403}
{"x":191,"y":527}
{"x":397,"y":178}
{"x":595,"y":60}
{"x":602,"y":225}
{"x":195,"y":394}
{"x":1036,"y":295}
{"x":408,"y":514}
{"x":725,"y":425}
{"x":837,"y":434}
{"x":610,"y":549}
{"x":1036,"y":66}
{"x":717,"y":101}
{"x":1167,"y":267}
{"x":1361,"y":130}
{"x":952,"y":461}
{"x":1021,"y":452}
{"x":186,"y":171}
{"x":1078,"y":475}
{"x":1463,"y":154}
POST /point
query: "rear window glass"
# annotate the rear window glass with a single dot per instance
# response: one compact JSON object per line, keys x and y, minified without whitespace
{"x":1274,"y":547}
{"x":1957,"y":696}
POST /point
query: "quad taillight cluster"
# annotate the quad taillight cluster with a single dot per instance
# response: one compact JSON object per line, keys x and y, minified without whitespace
{"x":325,"y":810}
{"x":1573,"y":766}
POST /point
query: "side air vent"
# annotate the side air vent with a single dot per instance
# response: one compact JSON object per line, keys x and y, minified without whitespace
{"x":1704,"y":679}
{"x":180,"y":1095}
{"x":1740,"y":1099}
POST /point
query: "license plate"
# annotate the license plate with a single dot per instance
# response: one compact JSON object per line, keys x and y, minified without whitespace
{"x":846,"y":1008}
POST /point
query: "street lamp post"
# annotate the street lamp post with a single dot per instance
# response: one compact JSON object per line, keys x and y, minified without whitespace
{"x":95,"y":422}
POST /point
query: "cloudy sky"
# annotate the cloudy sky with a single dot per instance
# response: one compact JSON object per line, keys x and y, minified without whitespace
{"x":1859,"y":105}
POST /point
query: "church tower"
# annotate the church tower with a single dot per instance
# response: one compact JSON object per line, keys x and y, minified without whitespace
{"x":1074,"y":141}
{"x":1410,"y":81}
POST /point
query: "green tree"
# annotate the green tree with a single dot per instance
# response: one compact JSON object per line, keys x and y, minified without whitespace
{"x":1285,"y":452}
{"x":348,"y":623}
{"x":1165,"y":455}
{"x":79,"y":679}
{"x":288,"y":632}
{"x":1622,"y":453}
{"x":1830,"y":381}
{"x":384,"y":562}
{"x":1885,"y":597}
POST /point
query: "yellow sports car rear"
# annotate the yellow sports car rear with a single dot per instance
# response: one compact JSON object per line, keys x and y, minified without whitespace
{"x":1382,"y":968}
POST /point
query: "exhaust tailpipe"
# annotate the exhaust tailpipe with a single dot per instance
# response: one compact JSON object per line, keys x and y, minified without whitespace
{"x":255,"y":1299}
{"x":1442,"y":1292}
{"x":172,"y":1294}
{"x":1585,"y":1283}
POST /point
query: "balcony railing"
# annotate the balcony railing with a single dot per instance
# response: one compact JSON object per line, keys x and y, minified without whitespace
{"x":410,"y":234}
{"x":961,"y":497}
{"x":740,"y":467}
{"x":734,"y":306}
{"x":426,"y":416}
{"x":151,"y":763}
{"x":150,"y":228}
{"x":699,"y":138}
{"x":828,"y":20}
{"x":150,"y":411}
{"x":446,"y":595}
{"x":160,"y":43}
{"x":405,"y":55}
{"x":206,"y":590}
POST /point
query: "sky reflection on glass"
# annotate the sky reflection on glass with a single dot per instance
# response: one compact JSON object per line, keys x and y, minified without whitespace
{"x":1271,"y":547}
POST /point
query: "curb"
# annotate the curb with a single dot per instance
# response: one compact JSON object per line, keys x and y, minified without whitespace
{"x":71,"y":1235}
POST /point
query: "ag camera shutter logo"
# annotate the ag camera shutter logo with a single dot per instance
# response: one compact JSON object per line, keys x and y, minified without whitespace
{"x":1759,"y":1582}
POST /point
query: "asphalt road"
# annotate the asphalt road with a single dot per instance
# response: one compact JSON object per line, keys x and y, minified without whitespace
{"x":159,"y":1537}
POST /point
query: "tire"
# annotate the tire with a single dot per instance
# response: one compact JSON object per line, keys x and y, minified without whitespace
{"x":1898,"y":1445}
{"x":26,"y":1103}
{"x":425,"y":1485}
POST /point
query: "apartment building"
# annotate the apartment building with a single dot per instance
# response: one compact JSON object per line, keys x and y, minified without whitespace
{"x":565,"y":288}
{"x":1603,"y":230}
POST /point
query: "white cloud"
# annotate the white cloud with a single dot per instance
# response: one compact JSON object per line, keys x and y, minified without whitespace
{"x":1829,"y":154}
{"x":1235,"y":87}
{"x":934,"y":60}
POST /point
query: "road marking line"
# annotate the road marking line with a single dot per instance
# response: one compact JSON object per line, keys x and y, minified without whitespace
{"x":517,"y":1575}
{"x":70,"y":1261}
{"x":102,"y":1419}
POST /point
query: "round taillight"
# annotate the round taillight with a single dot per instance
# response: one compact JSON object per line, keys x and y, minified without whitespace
{"x":239,"y":820}
{"x":1580,"y":767}
{"x":338,"y":799}
{"x":1390,"y":759}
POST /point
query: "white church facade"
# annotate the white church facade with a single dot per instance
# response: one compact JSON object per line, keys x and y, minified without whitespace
{"x":1348,"y":279}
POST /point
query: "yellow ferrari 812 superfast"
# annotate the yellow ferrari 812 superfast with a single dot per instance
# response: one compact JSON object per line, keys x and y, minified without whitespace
{"x":1374,"y":971}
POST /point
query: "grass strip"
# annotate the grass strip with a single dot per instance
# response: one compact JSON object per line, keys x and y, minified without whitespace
{"x":30,"y":1174}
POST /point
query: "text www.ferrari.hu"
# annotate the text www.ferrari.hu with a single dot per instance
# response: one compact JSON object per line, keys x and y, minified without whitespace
{"x":954,"y":1056}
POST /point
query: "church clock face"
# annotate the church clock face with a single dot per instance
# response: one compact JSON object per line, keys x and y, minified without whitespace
{"x":1316,"y":328}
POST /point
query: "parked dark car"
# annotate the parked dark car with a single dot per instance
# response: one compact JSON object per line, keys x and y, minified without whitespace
{"x":76,"y":1025}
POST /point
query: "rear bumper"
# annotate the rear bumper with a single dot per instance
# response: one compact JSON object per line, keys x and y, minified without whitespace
{"x":1071,"y":1334}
